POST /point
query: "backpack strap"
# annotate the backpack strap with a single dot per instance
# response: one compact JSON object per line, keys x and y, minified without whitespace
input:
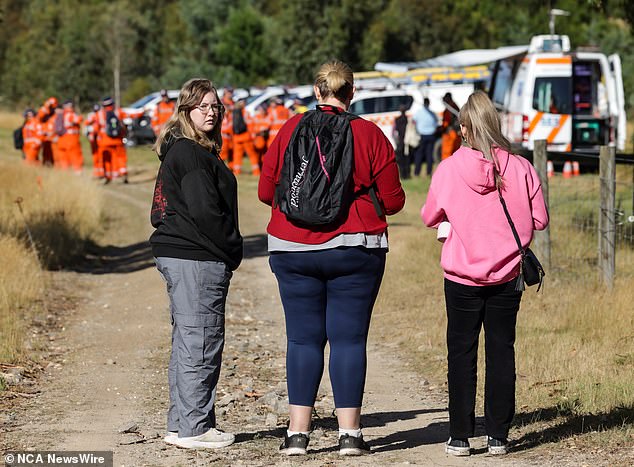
{"x":372,"y":189}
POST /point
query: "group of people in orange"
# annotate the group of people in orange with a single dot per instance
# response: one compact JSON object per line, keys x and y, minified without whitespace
{"x":52,"y":137}
{"x":250,"y":134}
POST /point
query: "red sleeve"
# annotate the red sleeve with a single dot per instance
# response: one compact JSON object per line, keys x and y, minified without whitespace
{"x":372,"y":147}
{"x":272,"y":161}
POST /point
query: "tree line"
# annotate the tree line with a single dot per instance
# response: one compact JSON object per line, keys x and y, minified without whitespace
{"x":78,"y":48}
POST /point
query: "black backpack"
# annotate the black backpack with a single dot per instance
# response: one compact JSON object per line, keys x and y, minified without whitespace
{"x":18,"y":138}
{"x":114,"y":128}
{"x":315,"y":185}
{"x":239,"y":125}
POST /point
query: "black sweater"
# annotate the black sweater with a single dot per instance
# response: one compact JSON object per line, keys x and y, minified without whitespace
{"x":195,"y":206}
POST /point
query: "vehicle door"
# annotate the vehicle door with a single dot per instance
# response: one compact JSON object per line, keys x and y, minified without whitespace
{"x":619,"y":105}
{"x":550,"y":110}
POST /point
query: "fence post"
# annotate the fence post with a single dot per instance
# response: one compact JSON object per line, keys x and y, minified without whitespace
{"x":607,"y":227}
{"x":542,"y":238}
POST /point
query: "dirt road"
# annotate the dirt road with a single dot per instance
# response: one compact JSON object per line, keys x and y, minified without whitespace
{"x":105,"y":387}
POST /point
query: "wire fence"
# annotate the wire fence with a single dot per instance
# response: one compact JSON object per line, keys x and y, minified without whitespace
{"x":591,"y":212}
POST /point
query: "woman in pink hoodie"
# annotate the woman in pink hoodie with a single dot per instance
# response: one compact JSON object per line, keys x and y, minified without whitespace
{"x":481,"y":262}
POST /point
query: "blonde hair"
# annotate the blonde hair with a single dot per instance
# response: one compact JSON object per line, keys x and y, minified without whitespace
{"x":335,"y":79}
{"x":484,"y":129}
{"x":180,"y":124}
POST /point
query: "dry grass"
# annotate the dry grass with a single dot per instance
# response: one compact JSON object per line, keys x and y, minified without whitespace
{"x":63,"y":213}
{"x":61,"y":210}
{"x":575,"y":341}
{"x":21,"y":283}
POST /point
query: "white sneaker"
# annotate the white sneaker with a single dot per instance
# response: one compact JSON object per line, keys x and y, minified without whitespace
{"x":171,"y":437}
{"x":212,"y":439}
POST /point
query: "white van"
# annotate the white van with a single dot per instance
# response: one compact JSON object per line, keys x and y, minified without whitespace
{"x":382,"y":106}
{"x":573,"y":100}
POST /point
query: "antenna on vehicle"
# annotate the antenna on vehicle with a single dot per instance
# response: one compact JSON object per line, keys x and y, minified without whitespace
{"x":555,"y":12}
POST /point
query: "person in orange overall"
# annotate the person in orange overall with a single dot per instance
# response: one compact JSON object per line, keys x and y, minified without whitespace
{"x":111,"y":148}
{"x":260,"y":132}
{"x":162,"y":113}
{"x":32,"y":135}
{"x":226,"y":129}
{"x":90,"y":127}
{"x":45,"y":116}
{"x":68,"y":144}
{"x":242,"y":140}
{"x":278,"y":114}
{"x":450,"y":138}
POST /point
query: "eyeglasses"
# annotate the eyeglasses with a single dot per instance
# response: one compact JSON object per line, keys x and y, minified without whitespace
{"x":205,"y":108}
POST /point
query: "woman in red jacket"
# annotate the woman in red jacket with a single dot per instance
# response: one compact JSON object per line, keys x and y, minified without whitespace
{"x":329,"y":275}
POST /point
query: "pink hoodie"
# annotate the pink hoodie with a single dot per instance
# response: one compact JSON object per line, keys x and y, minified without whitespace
{"x":480,"y":249}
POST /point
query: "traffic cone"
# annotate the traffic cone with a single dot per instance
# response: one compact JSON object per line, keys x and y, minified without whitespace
{"x":550,"y":169}
{"x":575,"y":168}
{"x":567,"y":172}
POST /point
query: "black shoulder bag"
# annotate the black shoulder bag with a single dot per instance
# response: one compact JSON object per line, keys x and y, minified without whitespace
{"x":531,"y":270}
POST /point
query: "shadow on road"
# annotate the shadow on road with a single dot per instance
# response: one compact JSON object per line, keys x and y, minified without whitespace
{"x":138,"y":256}
{"x":116,"y":260}
{"x":431,"y":434}
{"x":567,"y":425}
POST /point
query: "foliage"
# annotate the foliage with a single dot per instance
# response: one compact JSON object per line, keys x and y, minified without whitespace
{"x":69,"y":48}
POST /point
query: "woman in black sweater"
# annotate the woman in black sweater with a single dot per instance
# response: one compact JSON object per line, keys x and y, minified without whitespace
{"x":196,"y":244}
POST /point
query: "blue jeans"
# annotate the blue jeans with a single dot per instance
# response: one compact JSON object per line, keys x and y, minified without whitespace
{"x":328,"y":296}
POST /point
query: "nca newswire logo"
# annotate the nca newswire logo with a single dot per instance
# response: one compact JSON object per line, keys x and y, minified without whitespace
{"x":58,"y":458}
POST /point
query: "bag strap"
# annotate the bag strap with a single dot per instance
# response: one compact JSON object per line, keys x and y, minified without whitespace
{"x":519,"y":283}
{"x":508,"y":218}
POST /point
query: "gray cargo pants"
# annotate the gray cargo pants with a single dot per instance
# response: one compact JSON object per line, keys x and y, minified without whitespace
{"x":197,"y":291}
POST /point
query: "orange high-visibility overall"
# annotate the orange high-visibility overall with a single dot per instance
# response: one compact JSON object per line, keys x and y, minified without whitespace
{"x":450,"y":140}
{"x":278,"y":114}
{"x":244,"y":142}
{"x":112,"y":150}
{"x":32,"y":135}
{"x":161,"y":115}
{"x":68,"y":144}
{"x":260,"y":129}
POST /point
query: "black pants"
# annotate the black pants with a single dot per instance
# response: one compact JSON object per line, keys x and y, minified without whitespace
{"x":468,"y":308}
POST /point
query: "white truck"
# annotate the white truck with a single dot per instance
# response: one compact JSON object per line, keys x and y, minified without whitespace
{"x":572,"y":99}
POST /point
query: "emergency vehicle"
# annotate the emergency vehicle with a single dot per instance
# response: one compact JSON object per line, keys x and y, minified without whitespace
{"x":572,"y":99}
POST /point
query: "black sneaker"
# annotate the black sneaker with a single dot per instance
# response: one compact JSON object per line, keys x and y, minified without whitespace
{"x":294,"y":445}
{"x":353,"y":446}
{"x":497,"y":446}
{"x":458,"y":447}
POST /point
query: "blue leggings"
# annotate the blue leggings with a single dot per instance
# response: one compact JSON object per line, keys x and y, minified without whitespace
{"x":328,"y":296}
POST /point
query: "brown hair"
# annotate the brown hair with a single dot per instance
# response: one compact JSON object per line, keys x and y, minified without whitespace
{"x":335,"y":79}
{"x":484,"y":129}
{"x":180,"y":124}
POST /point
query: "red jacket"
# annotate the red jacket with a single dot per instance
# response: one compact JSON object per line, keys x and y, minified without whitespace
{"x":374,"y":163}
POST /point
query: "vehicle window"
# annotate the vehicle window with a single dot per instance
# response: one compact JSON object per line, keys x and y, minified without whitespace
{"x":503,"y":82}
{"x":365,"y":106}
{"x":144,"y":100}
{"x":553,"y":95}
{"x":393,"y":103}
